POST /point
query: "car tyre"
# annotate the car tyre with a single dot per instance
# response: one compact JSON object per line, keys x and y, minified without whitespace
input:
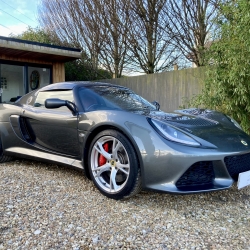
{"x":114,"y":166}
{"x":3,"y":157}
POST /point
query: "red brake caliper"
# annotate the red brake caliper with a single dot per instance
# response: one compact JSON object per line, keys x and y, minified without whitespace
{"x":102,"y":160}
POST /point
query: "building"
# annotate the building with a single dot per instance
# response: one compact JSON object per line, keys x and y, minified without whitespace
{"x":26,"y":66}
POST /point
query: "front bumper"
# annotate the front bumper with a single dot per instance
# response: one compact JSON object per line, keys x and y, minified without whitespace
{"x":193,"y":170}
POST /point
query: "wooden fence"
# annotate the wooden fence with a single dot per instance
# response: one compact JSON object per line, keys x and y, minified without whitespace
{"x":170,"y":89}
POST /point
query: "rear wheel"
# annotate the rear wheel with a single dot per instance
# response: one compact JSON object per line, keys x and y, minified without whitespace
{"x":3,"y":157}
{"x":113,"y":165}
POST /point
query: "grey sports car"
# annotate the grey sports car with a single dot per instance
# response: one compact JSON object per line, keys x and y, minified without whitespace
{"x":123,"y":142}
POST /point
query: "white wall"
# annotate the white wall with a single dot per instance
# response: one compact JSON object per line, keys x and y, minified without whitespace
{"x":14,"y":77}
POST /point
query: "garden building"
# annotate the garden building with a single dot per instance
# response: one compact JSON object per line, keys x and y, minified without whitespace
{"x":26,"y":66}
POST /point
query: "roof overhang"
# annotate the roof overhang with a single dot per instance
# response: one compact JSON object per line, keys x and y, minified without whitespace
{"x":12,"y":47}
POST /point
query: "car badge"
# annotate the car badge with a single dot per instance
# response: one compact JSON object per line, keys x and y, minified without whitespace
{"x":244,"y":142}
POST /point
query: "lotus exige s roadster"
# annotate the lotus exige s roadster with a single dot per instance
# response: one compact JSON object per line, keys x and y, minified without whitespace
{"x":123,"y":142}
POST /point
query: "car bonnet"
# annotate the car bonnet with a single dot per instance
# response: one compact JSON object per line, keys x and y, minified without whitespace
{"x":211,"y":126}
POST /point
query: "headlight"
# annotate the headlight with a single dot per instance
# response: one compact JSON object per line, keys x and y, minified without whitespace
{"x":236,"y":124}
{"x":173,"y":134}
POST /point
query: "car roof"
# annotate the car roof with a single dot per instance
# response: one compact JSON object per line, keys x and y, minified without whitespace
{"x":71,"y":85}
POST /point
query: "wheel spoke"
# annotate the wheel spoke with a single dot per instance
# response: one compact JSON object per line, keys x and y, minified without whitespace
{"x":113,"y":184}
{"x":123,"y":168}
{"x":125,"y":172}
{"x":101,"y":150}
{"x":115,"y":147}
{"x":99,"y":170}
{"x":120,"y":165}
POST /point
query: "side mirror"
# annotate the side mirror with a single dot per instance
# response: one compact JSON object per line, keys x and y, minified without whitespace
{"x":54,"y":103}
{"x":156,"y":104}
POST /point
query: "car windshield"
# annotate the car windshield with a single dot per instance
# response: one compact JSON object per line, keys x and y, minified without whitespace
{"x":111,"y":97}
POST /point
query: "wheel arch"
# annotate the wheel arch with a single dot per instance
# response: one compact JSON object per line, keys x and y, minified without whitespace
{"x":97,"y":130}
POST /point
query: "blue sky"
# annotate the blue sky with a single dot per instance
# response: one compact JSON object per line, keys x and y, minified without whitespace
{"x":17,"y":15}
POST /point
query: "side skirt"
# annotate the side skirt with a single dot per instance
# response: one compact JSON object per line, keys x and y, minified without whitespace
{"x":42,"y":156}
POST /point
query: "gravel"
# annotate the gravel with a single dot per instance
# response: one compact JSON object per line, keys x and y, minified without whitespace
{"x":44,"y":206}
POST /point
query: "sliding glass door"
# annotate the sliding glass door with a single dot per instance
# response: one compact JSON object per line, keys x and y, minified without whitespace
{"x":11,"y":82}
{"x":38,"y":77}
{"x":17,"y":80}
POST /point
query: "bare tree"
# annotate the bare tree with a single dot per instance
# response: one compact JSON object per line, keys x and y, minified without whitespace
{"x":97,"y":26}
{"x":191,"y":26}
{"x":114,"y":19}
{"x":147,"y":35}
{"x":150,"y":43}
{"x":88,"y":28}
{"x":64,"y":18}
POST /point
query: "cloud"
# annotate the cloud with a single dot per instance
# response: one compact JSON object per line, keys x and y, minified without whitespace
{"x":14,"y":29}
{"x":12,"y":21}
{"x":20,"y":11}
{"x":14,"y":10}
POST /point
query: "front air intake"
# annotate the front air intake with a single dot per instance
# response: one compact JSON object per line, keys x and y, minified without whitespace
{"x":237,"y":164}
{"x":199,"y":174}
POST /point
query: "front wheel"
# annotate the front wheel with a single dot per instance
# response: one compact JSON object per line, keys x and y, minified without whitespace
{"x":113,"y":165}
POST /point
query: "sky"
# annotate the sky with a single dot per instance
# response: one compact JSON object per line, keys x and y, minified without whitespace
{"x":17,"y":15}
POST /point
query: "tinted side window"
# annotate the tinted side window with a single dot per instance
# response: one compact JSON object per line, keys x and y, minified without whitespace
{"x":63,"y":95}
{"x":122,"y":98}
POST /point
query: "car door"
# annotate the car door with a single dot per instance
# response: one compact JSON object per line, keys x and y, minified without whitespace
{"x":51,"y":129}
